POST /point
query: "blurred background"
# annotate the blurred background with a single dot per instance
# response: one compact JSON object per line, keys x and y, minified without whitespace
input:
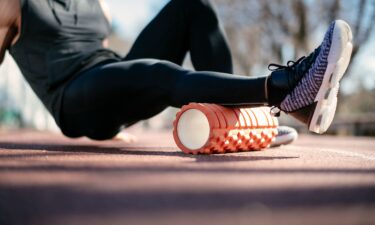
{"x":259,"y":32}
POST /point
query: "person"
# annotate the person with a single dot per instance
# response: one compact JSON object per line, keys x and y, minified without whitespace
{"x":91,"y":91}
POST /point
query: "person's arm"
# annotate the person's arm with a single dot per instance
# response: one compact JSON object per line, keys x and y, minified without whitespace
{"x":10,"y":18}
{"x":107,"y":14}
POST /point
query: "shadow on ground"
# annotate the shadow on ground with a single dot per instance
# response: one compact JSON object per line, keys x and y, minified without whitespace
{"x":52,"y":150}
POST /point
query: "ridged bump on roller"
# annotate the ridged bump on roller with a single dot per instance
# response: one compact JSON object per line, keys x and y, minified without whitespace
{"x":232,"y":129}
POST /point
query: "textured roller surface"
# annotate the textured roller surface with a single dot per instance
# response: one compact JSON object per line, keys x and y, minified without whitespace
{"x":230,"y":129}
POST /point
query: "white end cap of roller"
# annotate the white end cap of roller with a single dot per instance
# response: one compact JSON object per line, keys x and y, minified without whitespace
{"x":193,"y":129}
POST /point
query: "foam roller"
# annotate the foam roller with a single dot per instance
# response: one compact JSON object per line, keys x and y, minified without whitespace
{"x":210,"y":128}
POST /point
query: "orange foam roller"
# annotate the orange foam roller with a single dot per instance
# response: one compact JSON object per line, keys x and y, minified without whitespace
{"x":209,"y":128}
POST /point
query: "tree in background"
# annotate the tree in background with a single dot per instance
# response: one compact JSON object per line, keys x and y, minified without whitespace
{"x":263,"y":31}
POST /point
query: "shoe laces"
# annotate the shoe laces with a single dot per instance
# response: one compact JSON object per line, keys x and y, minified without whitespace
{"x":297,"y":69}
{"x":290,"y":65}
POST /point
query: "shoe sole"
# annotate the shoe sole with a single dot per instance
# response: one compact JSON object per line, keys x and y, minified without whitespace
{"x":338,"y":61}
{"x":284,"y":139}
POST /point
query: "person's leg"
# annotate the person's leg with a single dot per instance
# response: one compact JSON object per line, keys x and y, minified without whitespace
{"x":103,"y":99}
{"x":182,"y":26}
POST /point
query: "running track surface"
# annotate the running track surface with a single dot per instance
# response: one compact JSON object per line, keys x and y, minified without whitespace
{"x":48,"y":179}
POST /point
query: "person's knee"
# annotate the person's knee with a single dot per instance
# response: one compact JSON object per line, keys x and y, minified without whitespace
{"x":165,"y":67}
{"x":154,"y":69}
{"x":166,"y":78}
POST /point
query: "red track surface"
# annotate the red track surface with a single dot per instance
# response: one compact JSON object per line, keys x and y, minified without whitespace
{"x":48,"y":179}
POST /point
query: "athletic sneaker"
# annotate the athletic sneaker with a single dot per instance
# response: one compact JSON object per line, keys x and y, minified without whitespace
{"x":313,"y":100}
{"x":285,"y":135}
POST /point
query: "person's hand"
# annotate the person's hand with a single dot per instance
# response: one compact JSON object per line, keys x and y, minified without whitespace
{"x":125,"y":137}
{"x":10,"y":22}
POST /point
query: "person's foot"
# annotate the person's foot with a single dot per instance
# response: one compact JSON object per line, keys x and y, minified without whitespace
{"x":285,"y":135}
{"x":316,"y":78}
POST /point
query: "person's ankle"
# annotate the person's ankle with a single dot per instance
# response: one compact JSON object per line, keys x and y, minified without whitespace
{"x":274,"y":92}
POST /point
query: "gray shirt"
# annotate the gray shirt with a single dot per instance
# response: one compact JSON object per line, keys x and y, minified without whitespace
{"x":59,"y":40}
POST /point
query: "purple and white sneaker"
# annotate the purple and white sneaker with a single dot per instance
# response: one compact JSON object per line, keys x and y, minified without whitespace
{"x":315,"y":78}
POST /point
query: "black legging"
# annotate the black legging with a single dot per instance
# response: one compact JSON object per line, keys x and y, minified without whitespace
{"x":150,"y":78}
